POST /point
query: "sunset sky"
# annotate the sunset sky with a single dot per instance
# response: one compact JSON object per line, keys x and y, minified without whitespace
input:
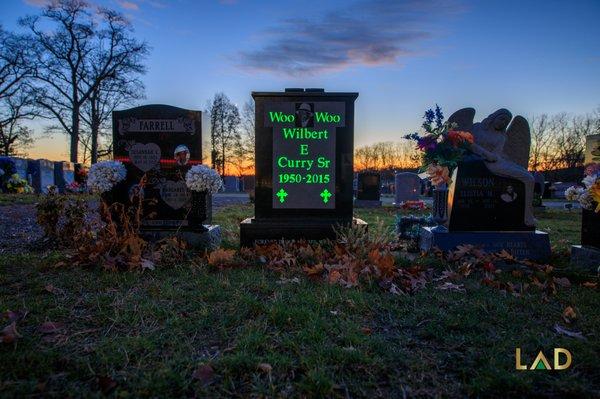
{"x":402,"y":57}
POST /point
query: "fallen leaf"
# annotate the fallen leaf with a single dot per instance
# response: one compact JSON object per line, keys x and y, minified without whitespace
{"x":589,"y":284}
{"x":366,"y":330}
{"x":147,"y":264}
{"x":568,"y":333}
{"x":448,"y":286}
{"x":50,"y":327}
{"x":221,"y":257}
{"x":265,"y":367}
{"x":106,"y":384}
{"x":50,"y":288}
{"x":569,"y":314}
{"x":204,"y":373}
{"x":9,"y":334}
{"x":562,"y":281}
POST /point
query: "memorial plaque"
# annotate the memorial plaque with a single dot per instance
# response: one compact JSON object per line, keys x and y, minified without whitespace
{"x":304,"y":164}
{"x":408,"y":187}
{"x":481,"y":201}
{"x":160,"y":143}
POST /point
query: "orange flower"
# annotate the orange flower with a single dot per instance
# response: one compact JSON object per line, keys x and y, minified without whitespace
{"x":438,"y":174}
{"x":457,"y":137}
{"x":594,"y":191}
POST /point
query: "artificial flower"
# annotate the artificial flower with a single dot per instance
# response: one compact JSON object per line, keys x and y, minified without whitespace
{"x":202,"y":178}
{"x":592,"y":169}
{"x":426,"y":143}
{"x":103,"y":176}
{"x":438,"y":174}
{"x":572,"y":193}
{"x":594,"y":192}
{"x":457,"y":137}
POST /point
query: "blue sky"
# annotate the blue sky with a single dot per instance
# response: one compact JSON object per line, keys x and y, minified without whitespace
{"x":402,"y":57}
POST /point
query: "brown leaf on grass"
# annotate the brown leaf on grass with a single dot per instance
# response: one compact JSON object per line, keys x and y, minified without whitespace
{"x":366,"y":330}
{"x":221,"y":257}
{"x":265,"y":367}
{"x":334,"y":277}
{"x":505,"y":255}
{"x":448,"y":286}
{"x":50,"y":288}
{"x":562,"y":281}
{"x":589,"y":284}
{"x":384,"y":263}
{"x":50,"y":327}
{"x":106,"y":384}
{"x":204,"y":373}
{"x":569,"y":314}
{"x":9,"y":334}
{"x":315,"y":270}
{"x":568,"y":333}
{"x":13,"y":316}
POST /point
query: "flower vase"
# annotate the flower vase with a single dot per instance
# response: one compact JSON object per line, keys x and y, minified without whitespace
{"x":198,"y":211}
{"x":440,"y":205}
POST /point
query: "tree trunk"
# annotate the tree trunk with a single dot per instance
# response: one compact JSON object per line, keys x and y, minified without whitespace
{"x":95,"y":129}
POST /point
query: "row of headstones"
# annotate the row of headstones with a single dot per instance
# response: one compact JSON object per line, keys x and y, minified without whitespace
{"x":233,"y":184}
{"x":408,"y":186}
{"x":41,"y":173}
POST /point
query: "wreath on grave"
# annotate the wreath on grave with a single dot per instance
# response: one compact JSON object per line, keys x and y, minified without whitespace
{"x":441,"y":146}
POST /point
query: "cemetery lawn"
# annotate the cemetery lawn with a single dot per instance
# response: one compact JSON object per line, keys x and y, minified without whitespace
{"x":188,"y":330}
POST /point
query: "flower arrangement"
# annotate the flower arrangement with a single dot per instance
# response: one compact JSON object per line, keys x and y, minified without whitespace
{"x":7,"y":169}
{"x":103,"y":176}
{"x":413,"y":205}
{"x":588,"y":196}
{"x":202,"y":178}
{"x":74,"y":187}
{"x":16,"y":184}
{"x":442,"y":147}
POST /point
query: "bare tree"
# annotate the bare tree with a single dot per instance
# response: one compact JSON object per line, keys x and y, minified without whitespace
{"x":542,"y":142}
{"x":64,"y":55}
{"x":17,"y":98}
{"x":225,"y":122}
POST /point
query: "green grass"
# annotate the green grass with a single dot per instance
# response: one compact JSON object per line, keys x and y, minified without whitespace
{"x":150,"y":331}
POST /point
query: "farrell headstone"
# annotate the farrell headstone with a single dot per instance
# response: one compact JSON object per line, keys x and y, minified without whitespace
{"x":368,"y":194}
{"x":158,"y":145}
{"x":304,"y":165}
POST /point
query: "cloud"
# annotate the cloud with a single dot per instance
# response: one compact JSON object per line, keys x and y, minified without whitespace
{"x":128,"y":5}
{"x":368,"y":33}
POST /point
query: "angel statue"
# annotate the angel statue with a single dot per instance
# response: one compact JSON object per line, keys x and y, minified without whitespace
{"x":504,"y":150}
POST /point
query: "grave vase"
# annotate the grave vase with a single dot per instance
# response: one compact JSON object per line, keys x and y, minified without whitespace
{"x":197,"y":213}
{"x":440,"y":204}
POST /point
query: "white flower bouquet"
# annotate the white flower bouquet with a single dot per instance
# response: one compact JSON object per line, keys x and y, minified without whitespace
{"x":202,"y":178}
{"x":103,"y":176}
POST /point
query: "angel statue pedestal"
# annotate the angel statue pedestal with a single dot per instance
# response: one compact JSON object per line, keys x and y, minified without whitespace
{"x":490,"y":197}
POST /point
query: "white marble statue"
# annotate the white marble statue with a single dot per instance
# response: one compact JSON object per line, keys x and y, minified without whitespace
{"x":505,"y":151}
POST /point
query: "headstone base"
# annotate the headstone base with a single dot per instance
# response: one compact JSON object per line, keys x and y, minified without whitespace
{"x":209,"y":239}
{"x":360,"y":203}
{"x":585,"y":257}
{"x":252,"y":230}
{"x":520,"y":244}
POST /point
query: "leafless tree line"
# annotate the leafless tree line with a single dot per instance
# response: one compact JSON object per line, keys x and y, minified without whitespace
{"x":558,"y":141}
{"x":386,"y":155}
{"x":73,"y":65}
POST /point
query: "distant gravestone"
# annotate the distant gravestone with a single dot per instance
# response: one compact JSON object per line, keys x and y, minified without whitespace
{"x":408,"y":187}
{"x":490,"y":199}
{"x":42,"y":174}
{"x":540,"y":184}
{"x":231,"y":184}
{"x":587,"y":254}
{"x":64,"y":174}
{"x":368,"y":192}
{"x":21,"y":167}
{"x":304,"y":165}
{"x":160,"y":143}
{"x":249,"y":183}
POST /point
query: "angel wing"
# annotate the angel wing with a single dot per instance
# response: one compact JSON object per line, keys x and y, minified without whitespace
{"x":463,"y":118}
{"x":518,"y":141}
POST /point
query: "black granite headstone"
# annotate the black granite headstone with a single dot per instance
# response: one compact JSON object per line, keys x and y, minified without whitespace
{"x":304,"y":165}
{"x":160,"y":143}
{"x":482,"y":201}
{"x":369,"y":186}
